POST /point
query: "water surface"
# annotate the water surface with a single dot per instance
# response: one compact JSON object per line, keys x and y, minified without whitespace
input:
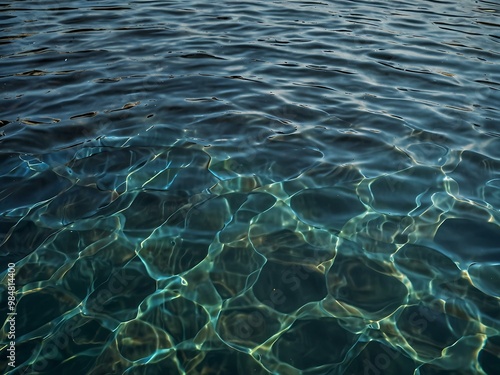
{"x":250,"y":187}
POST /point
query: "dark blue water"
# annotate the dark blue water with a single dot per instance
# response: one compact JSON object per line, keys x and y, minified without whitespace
{"x":287,"y":187}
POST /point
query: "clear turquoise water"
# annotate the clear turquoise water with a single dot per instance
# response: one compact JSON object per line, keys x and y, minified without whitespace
{"x":288,"y":187}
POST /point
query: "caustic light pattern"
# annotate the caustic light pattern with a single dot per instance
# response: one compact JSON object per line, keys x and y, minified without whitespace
{"x":169,"y":268}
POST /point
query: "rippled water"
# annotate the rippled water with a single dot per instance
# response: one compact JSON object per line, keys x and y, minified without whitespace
{"x":288,"y":187}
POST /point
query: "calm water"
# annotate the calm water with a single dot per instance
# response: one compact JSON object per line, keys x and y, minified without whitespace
{"x":238,"y":187}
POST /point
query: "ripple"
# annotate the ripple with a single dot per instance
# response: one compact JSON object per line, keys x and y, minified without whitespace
{"x":301,"y":187}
